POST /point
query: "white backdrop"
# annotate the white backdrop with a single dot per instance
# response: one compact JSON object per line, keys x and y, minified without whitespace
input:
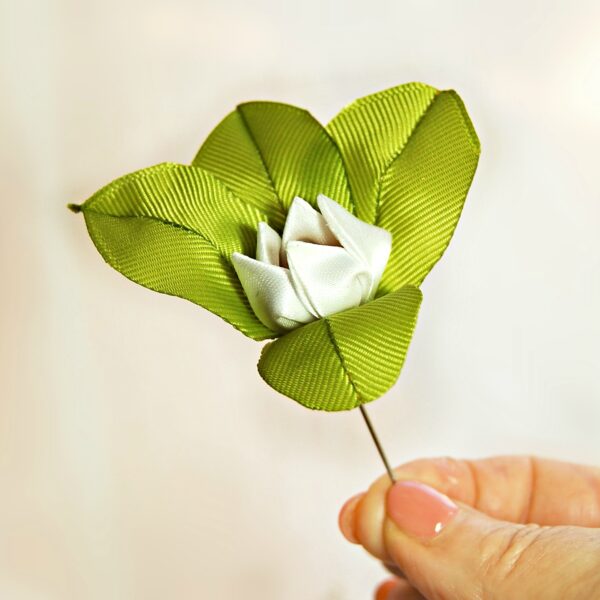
{"x":141,"y":457}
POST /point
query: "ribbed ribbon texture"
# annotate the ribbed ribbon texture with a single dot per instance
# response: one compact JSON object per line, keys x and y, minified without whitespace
{"x":402,"y":159}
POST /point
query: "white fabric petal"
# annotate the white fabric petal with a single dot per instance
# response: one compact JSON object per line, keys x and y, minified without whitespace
{"x":271,"y":293}
{"x":327,"y":279}
{"x":335,"y":263}
{"x":268,"y":245}
{"x":305,"y":224}
{"x":368,"y":243}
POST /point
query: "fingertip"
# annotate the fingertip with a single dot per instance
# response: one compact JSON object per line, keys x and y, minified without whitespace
{"x":369,"y":520}
{"x":418,"y":509}
{"x":347,"y":518}
{"x":394,"y":589}
{"x":385,"y":589}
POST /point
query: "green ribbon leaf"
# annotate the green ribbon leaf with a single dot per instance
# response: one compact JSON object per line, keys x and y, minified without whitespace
{"x":172,"y":228}
{"x":347,"y":359}
{"x":411,"y":154}
{"x":371,"y":132}
{"x":268,"y":153}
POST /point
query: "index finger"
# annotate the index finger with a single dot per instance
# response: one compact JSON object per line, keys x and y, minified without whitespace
{"x":520,"y":489}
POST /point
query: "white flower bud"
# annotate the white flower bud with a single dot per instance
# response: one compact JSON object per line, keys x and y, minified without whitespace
{"x":322,"y":264}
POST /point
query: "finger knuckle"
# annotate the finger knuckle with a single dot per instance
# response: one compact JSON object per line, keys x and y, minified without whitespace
{"x":509,"y":554}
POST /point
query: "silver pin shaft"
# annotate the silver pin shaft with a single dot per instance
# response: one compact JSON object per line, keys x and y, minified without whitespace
{"x":365,"y":415}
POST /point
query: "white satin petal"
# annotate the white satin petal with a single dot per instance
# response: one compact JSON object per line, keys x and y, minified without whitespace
{"x":271,"y":293}
{"x":327,"y":279}
{"x":268,"y":245}
{"x":305,"y":224}
{"x":368,"y":243}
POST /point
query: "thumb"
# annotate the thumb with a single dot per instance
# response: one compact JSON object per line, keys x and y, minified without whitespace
{"x":448,"y":550}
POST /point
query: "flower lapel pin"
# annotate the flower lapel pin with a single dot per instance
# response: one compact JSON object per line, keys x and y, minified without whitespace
{"x":317,"y":237}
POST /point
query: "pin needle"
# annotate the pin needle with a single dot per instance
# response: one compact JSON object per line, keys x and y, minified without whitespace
{"x":365,"y":415}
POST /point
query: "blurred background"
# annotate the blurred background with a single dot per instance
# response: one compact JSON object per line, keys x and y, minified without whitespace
{"x":141,"y":456}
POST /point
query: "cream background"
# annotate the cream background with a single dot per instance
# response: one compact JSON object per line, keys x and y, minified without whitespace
{"x":141,"y":457}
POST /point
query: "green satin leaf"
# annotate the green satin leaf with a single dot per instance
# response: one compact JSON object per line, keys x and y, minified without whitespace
{"x":267,"y":153}
{"x":411,"y":154}
{"x":347,"y":359}
{"x":172,"y":228}
{"x":424,"y":190}
{"x":370,"y":132}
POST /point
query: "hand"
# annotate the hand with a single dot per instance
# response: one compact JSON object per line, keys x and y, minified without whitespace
{"x":510,"y":528}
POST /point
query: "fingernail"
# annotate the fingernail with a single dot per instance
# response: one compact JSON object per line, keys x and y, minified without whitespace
{"x":347,"y":520}
{"x":418,"y":509}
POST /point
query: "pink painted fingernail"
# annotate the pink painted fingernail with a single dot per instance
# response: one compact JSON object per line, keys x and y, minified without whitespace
{"x":418,"y":509}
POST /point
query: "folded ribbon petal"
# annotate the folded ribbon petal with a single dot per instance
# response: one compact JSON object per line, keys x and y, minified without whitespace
{"x":268,"y":244}
{"x":327,"y":279}
{"x":305,"y":224}
{"x":368,"y":243}
{"x":324,"y":263}
{"x":271,"y":293}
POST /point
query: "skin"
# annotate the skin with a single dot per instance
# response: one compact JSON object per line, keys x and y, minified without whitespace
{"x":526,"y":528}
